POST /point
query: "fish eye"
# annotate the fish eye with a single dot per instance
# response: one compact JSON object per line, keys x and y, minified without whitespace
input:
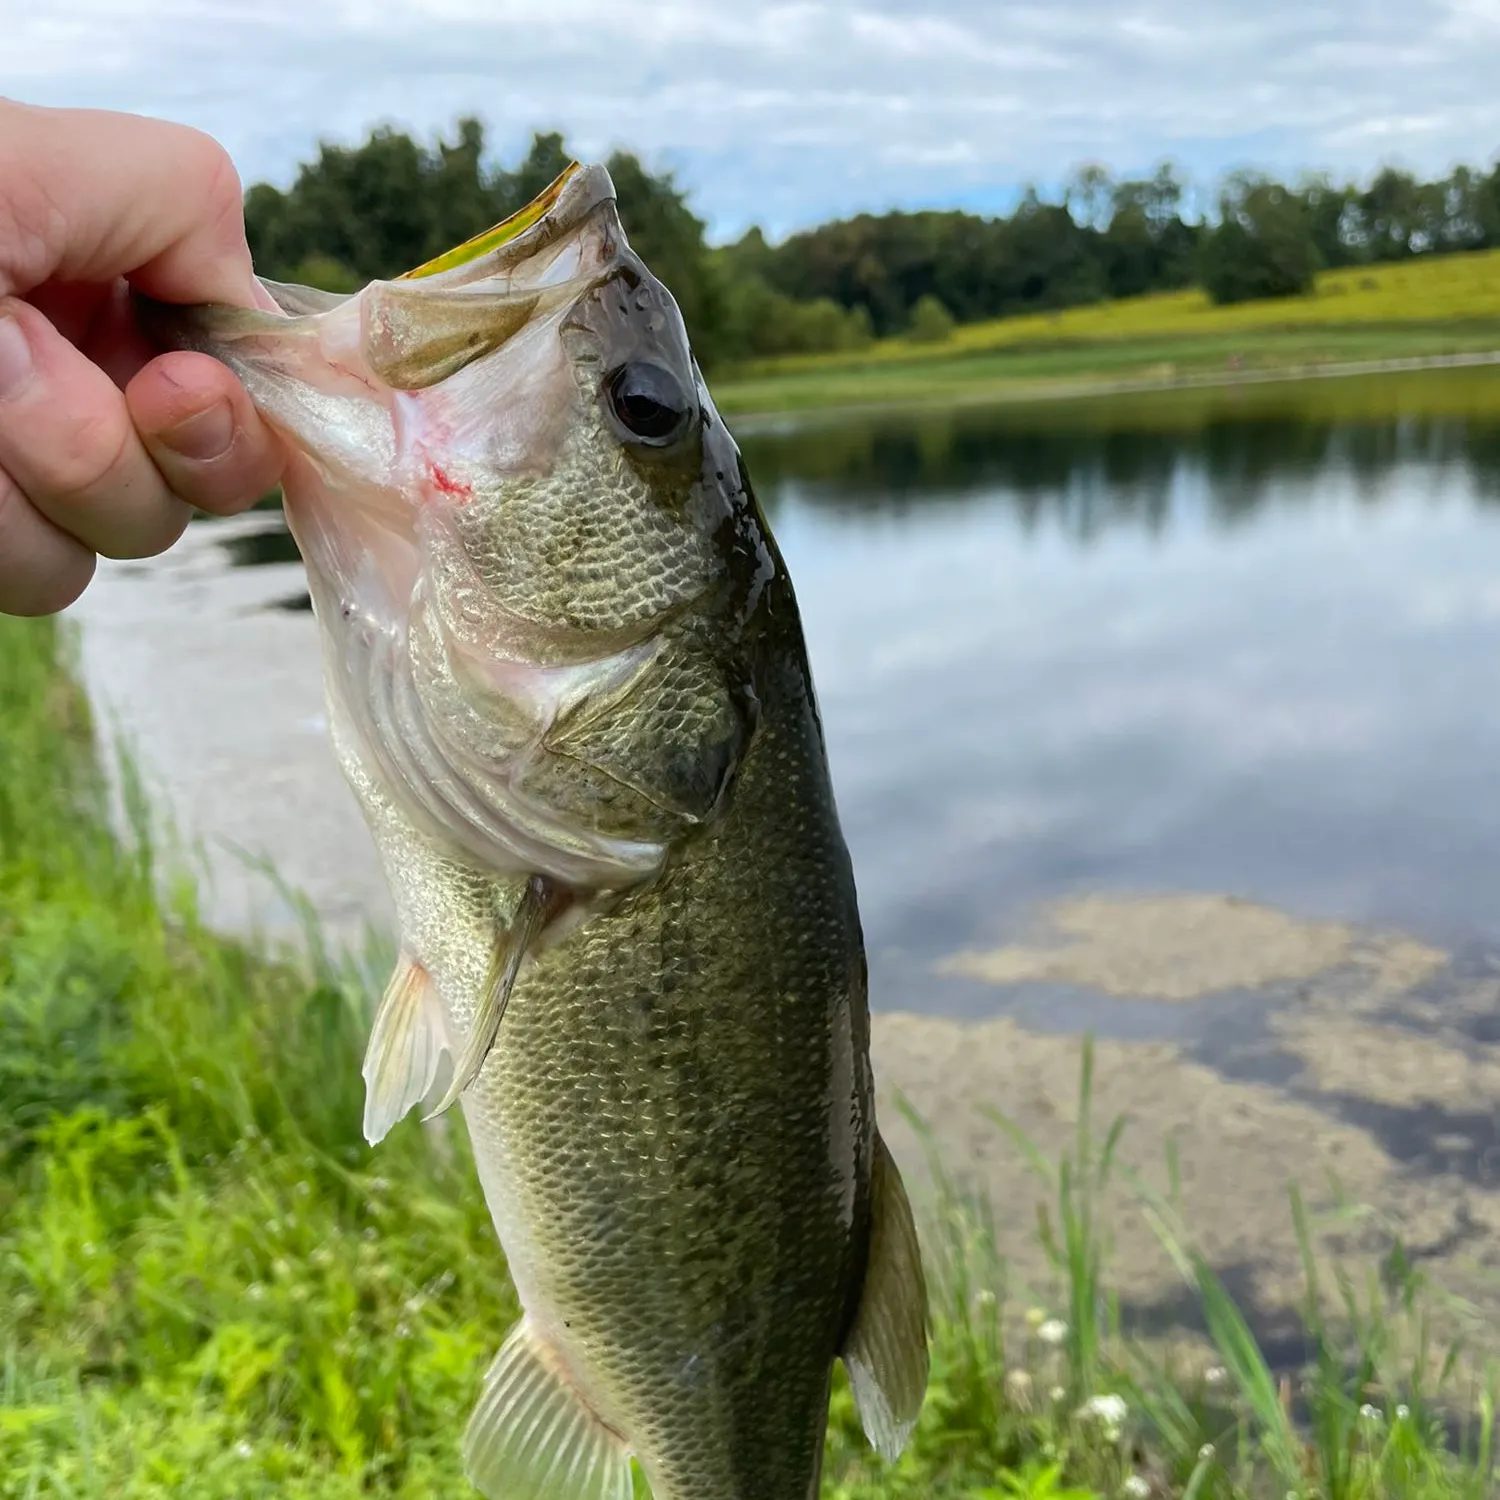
{"x":649,"y":402}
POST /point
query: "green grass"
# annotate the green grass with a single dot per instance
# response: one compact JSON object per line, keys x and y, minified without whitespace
{"x":1430,"y":307}
{"x":209,"y":1286}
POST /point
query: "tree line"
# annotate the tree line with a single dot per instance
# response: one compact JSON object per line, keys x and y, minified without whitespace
{"x":390,"y":203}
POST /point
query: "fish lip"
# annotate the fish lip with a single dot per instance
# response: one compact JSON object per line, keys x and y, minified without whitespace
{"x":560,"y":209}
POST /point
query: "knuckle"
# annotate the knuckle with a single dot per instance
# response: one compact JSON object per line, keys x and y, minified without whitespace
{"x":222,"y":192}
{"x":30,"y":228}
{"x":87,"y":451}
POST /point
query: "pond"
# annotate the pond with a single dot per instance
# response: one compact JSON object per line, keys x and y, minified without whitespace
{"x":1236,"y":641}
{"x":1172,"y":718}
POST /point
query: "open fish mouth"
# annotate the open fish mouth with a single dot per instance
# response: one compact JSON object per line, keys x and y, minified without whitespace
{"x":400,"y":401}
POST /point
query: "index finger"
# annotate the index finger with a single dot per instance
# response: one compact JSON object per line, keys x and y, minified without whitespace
{"x":90,"y":195}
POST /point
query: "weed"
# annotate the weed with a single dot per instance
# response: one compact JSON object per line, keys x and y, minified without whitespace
{"x":211,"y":1288}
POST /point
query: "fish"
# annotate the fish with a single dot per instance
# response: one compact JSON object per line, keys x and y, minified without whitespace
{"x":567,"y":681}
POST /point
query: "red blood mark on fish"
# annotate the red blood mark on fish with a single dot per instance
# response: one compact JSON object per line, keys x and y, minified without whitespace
{"x":446,"y":484}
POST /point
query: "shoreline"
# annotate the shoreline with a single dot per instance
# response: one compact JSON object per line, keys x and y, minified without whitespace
{"x":1286,"y":996}
{"x":1036,"y":392}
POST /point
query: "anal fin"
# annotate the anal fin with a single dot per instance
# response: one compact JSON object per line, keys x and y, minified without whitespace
{"x":406,"y":1046}
{"x":532,"y":1437}
{"x":886,"y":1350}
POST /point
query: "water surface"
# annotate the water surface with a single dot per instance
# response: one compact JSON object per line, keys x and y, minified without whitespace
{"x":1130,"y":656}
{"x":1235,"y":641}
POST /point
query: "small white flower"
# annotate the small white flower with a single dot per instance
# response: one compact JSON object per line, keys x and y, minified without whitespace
{"x":242,"y":1449}
{"x":1369,"y":1413}
{"x":1109,"y":1411}
{"x":1053,"y":1332}
{"x":1205,"y":1453}
{"x":1056,"y":1393}
{"x":1035,"y":1317}
{"x":984,"y":1298}
{"x":1402,"y":1413}
{"x":1018,"y":1387}
{"x":1136,"y":1488}
{"x":1215,"y":1375}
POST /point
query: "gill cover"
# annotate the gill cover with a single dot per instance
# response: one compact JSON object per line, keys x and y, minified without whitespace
{"x":399,"y":401}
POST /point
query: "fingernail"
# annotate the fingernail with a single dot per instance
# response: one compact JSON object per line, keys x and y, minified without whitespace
{"x":204,"y":435}
{"x":15,"y":358}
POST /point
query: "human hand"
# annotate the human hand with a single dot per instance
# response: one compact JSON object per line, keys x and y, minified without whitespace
{"x":104,"y":446}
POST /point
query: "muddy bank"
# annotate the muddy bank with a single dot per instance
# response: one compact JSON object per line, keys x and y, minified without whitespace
{"x":1371,"y":1080}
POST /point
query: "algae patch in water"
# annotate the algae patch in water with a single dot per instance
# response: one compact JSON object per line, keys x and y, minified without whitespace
{"x":1183,"y":947}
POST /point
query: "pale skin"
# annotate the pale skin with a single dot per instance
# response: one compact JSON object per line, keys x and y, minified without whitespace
{"x":106,"y":446}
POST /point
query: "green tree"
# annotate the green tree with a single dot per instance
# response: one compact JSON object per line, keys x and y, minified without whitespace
{"x":931,"y":322}
{"x":1147,"y":246}
{"x":380,"y":208}
{"x":1262,"y":246}
{"x":1335,"y":221}
{"x":1393,"y":215}
{"x":1089,"y":196}
{"x":377,"y":209}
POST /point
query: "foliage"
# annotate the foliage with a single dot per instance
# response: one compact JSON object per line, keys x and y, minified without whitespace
{"x":1263,"y":245}
{"x":1120,"y":239}
{"x":211,"y":1289}
{"x":390,"y":203}
{"x":1423,"y":307}
{"x":931,"y":322}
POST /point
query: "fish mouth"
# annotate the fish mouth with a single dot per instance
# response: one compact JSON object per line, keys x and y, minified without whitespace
{"x":561,"y":207}
{"x":564,"y":203}
{"x":391,"y":396}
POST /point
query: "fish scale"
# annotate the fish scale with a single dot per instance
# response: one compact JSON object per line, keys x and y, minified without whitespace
{"x":568,"y":685}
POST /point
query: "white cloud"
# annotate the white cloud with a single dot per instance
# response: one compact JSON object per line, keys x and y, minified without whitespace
{"x":788,"y":112}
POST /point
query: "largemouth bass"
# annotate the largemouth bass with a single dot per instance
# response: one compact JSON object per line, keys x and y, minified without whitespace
{"x":567,"y":681}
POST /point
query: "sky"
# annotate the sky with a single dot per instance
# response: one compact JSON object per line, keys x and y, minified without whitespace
{"x":787,"y":114}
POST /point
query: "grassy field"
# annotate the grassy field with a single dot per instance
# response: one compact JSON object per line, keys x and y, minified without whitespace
{"x":210,"y":1288}
{"x":1427,"y":308}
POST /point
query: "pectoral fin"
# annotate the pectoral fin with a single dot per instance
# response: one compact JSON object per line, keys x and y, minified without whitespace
{"x":511,"y":947}
{"x":407,"y":1043}
{"x":532,"y":1437}
{"x":886,"y":1351}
